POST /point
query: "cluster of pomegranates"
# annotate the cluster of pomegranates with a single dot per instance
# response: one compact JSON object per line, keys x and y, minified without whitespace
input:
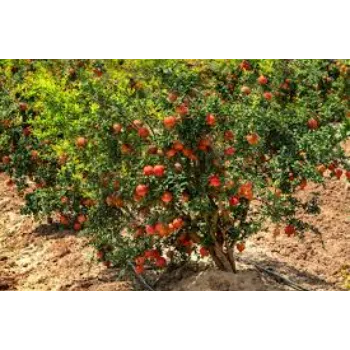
{"x":161,"y":229}
{"x":151,"y":256}
{"x":77,"y":223}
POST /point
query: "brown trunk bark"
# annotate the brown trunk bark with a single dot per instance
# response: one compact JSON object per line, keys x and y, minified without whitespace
{"x":221,"y":254}
{"x":223,"y":260}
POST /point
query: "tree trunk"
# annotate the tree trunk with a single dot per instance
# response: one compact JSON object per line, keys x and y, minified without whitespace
{"x":223,"y":260}
{"x":221,"y":253}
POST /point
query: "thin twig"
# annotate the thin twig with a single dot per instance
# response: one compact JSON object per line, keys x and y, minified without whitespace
{"x":140,"y":278}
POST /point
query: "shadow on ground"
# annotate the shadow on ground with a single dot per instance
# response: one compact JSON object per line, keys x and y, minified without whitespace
{"x":305,"y":279}
{"x":53,"y":231}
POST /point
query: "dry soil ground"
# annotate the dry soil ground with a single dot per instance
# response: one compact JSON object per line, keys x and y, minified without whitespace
{"x":36,"y":256}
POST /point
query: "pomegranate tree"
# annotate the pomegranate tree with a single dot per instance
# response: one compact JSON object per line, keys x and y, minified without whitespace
{"x":163,"y":160}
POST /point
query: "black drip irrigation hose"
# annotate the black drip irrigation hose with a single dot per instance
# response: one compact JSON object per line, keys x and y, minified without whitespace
{"x":272,"y":273}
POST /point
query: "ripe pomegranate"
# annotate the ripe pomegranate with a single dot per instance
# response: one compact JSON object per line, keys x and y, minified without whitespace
{"x":211,"y":120}
{"x":167,"y":197}
{"x":140,"y":260}
{"x":152,"y":254}
{"x":148,"y":254}
{"x":162,"y":230}
{"x":143,"y":132}
{"x":142,"y":190}
{"x":214,"y":181}
{"x":117,"y":128}
{"x":338,"y":173}
{"x":187,"y":152}
{"x":253,"y":139}
{"x":23,"y":106}
{"x":203,"y":252}
{"x":246,"y":191}
{"x":64,"y":199}
{"x":171,"y":153}
{"x":178,"y":223}
{"x":229,"y":135}
{"x":347,"y":174}
{"x":100,"y":255}
{"x":139,"y":232}
{"x":34,"y":155}
{"x":187,"y":242}
{"x":170,"y":122}
{"x":6,"y":123}
{"x":118,"y":202}
{"x":278,"y":192}
{"x":126,"y":149}
{"x":185,"y":197}
{"x":234,"y":200}
{"x":230,"y":151}
{"x":332,"y":166}
{"x":64,"y":220}
{"x":150,"y":230}
{"x":160,"y":262}
{"x":204,"y":144}
{"x":182,"y":109}
{"x":27,"y":131}
{"x":152,"y":150}
{"x":77,"y":226}
{"x":98,"y":72}
{"x":240,"y":247}
{"x":321,"y":169}
{"x":172,"y":97}
{"x":268,"y":95}
{"x":178,"y":146}
{"x":312,"y":124}
{"x":245,"y":65}
{"x":6,"y":159}
{"x":193,"y":157}
{"x":88,"y":202}
{"x":41,"y":184}
{"x":290,"y":230}
{"x":81,"y":218}
{"x":262,"y":80}
{"x":159,"y":170}
{"x":81,"y":142}
{"x":246,"y":90}
{"x":139,"y":269}
{"x":148,"y":170}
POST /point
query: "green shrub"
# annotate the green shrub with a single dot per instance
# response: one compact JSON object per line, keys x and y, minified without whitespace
{"x":168,"y":158}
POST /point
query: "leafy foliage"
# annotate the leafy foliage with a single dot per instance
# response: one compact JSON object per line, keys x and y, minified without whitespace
{"x":172,"y":157}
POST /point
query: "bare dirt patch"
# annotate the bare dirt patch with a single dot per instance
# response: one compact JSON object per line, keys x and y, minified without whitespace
{"x":34,"y":256}
{"x":316,"y":262}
